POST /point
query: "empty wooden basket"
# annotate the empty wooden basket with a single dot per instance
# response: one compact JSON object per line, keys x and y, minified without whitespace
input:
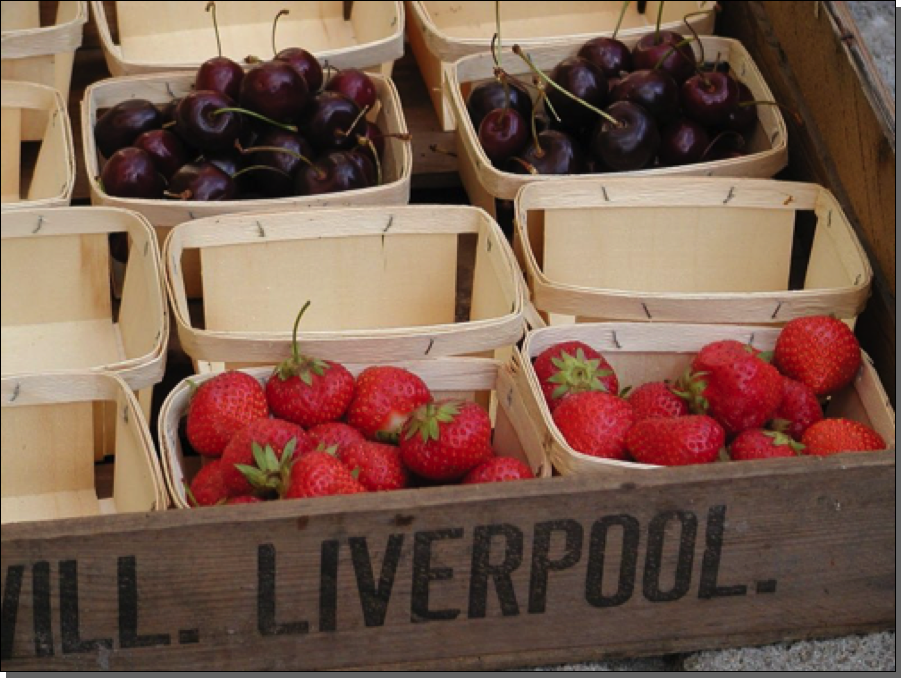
{"x":146,"y":37}
{"x":767,"y":149}
{"x":51,"y":434}
{"x":440,"y":33}
{"x":643,"y":352}
{"x":691,"y":250}
{"x":384,"y":284}
{"x":40,"y":51}
{"x":35,"y":173}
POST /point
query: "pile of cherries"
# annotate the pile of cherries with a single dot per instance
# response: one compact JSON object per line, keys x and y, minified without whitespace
{"x":271,"y":131}
{"x":612,"y":109}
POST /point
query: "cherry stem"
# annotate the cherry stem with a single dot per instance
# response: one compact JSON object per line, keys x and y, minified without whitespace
{"x":622,"y":14}
{"x":184,"y":195}
{"x":252,"y":59}
{"x":497,"y":28}
{"x":367,"y":143}
{"x":692,"y":29}
{"x":253,"y":114}
{"x":253,"y":168}
{"x":271,"y":149}
{"x":363,"y":112}
{"x":211,"y":7}
{"x":547,"y":102}
{"x":719,"y":137}
{"x":794,"y":114}
{"x":677,"y":46}
{"x":529,"y":167}
{"x":295,"y":351}
{"x":518,"y":51}
{"x":167,"y":125}
{"x":659,"y":19}
{"x":539,"y":151}
{"x":278,"y":16}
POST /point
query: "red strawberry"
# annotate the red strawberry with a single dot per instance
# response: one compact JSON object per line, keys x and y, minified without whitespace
{"x":319,"y":474}
{"x":732,"y":385}
{"x":819,"y":351}
{"x":445,"y":440}
{"x":756,"y":443}
{"x":798,"y":410}
{"x":832,"y":436}
{"x":207,"y":488}
{"x":571,"y":367}
{"x":384,"y":398}
{"x":379,"y":464}
{"x":273,"y":433}
{"x":309,"y":391}
{"x":656,"y":399}
{"x":695,"y":439}
{"x":334,"y":434}
{"x":220,"y":408}
{"x":595,"y":423}
{"x":497,"y":470}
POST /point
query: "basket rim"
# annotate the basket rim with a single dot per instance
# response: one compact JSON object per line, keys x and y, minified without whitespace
{"x":18,"y":43}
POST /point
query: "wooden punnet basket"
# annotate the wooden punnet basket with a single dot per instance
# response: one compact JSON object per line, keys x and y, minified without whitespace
{"x":384,"y":284}
{"x":35,"y":174}
{"x":767,"y":150}
{"x":40,"y":53}
{"x":51,"y":437}
{"x":166,"y":36}
{"x":477,"y":379}
{"x":643,"y":352}
{"x":440,"y":33}
{"x":693,"y":250}
{"x":59,"y":311}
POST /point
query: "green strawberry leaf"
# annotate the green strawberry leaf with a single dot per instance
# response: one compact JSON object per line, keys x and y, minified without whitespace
{"x":271,"y":459}
{"x":259,"y":456}
{"x":254,"y":476}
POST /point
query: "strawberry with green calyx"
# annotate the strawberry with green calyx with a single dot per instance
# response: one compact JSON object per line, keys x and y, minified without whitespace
{"x":498,"y":470}
{"x":595,"y":423}
{"x":695,"y":439}
{"x":379,"y":465}
{"x":220,"y":408}
{"x":756,"y":443}
{"x":320,"y":474}
{"x":384,"y":397}
{"x":446,"y":440}
{"x":207,"y":488}
{"x":730,"y":383}
{"x":272,"y":433}
{"x":308,"y":391}
{"x":270,"y":476}
{"x":819,"y":351}
{"x":656,"y":399}
{"x":335,"y":434}
{"x":799,"y":410}
{"x":833,"y":436}
{"x":572,"y":367}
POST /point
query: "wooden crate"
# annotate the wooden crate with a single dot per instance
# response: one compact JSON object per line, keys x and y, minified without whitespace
{"x":440,"y":33}
{"x":485,"y":381}
{"x":44,"y":54}
{"x":50,"y":439}
{"x":695,"y":250}
{"x":167,"y":36}
{"x":643,"y":352}
{"x":59,"y":313}
{"x":35,"y":174}
{"x":766,"y":150}
{"x":384,"y":284}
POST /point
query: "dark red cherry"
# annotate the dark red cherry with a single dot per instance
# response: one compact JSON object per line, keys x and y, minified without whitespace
{"x":130,"y":173}
{"x":305,"y":64}
{"x":332,"y":173}
{"x":201,"y":181}
{"x":354,"y":84}
{"x":119,"y":126}
{"x":165,"y":149}
{"x":220,"y":74}
{"x":742,"y":119}
{"x":229,"y":160}
{"x":584,"y":80}
{"x":651,"y":48}
{"x":197,"y":118}
{"x":629,"y":145}
{"x":682,"y":142}
{"x":374,"y":134}
{"x":709,"y":98}
{"x":274,"y":89}
{"x":488,"y":95}
{"x":327,"y":121}
{"x":608,"y":54}
{"x":362,"y":156}
{"x":503,"y":133}
{"x":559,"y":153}
{"x":167,"y":110}
{"x":656,"y":91}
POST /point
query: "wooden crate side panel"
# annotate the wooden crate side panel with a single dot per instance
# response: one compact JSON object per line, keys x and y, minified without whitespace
{"x":11,"y":155}
{"x":494,"y":291}
{"x":412,"y":577}
{"x":142,"y":321}
{"x":53,"y":170}
{"x":136,"y":486}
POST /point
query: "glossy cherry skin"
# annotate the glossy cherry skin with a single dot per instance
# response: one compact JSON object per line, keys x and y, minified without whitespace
{"x":220,"y":74}
{"x":167,"y":110}
{"x":560,"y":154}
{"x":742,"y":119}
{"x":503,"y":133}
{"x":682,"y":142}
{"x":487,"y":96}
{"x":608,"y":54}
{"x":280,"y":183}
{"x":196,"y":119}
{"x":374,"y":134}
{"x":648,"y":51}
{"x":332,"y":173}
{"x":362,"y":156}
{"x":165,"y":149}
{"x":274,"y":89}
{"x":229,"y":161}
{"x":201,"y":181}
{"x":327,"y":120}
{"x":119,"y":126}
{"x":586,"y":81}
{"x":305,"y":64}
{"x":655,"y":91}
{"x":130,"y":173}
{"x":632,"y":145}
{"x":709,"y":98}
{"x":354,"y":84}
